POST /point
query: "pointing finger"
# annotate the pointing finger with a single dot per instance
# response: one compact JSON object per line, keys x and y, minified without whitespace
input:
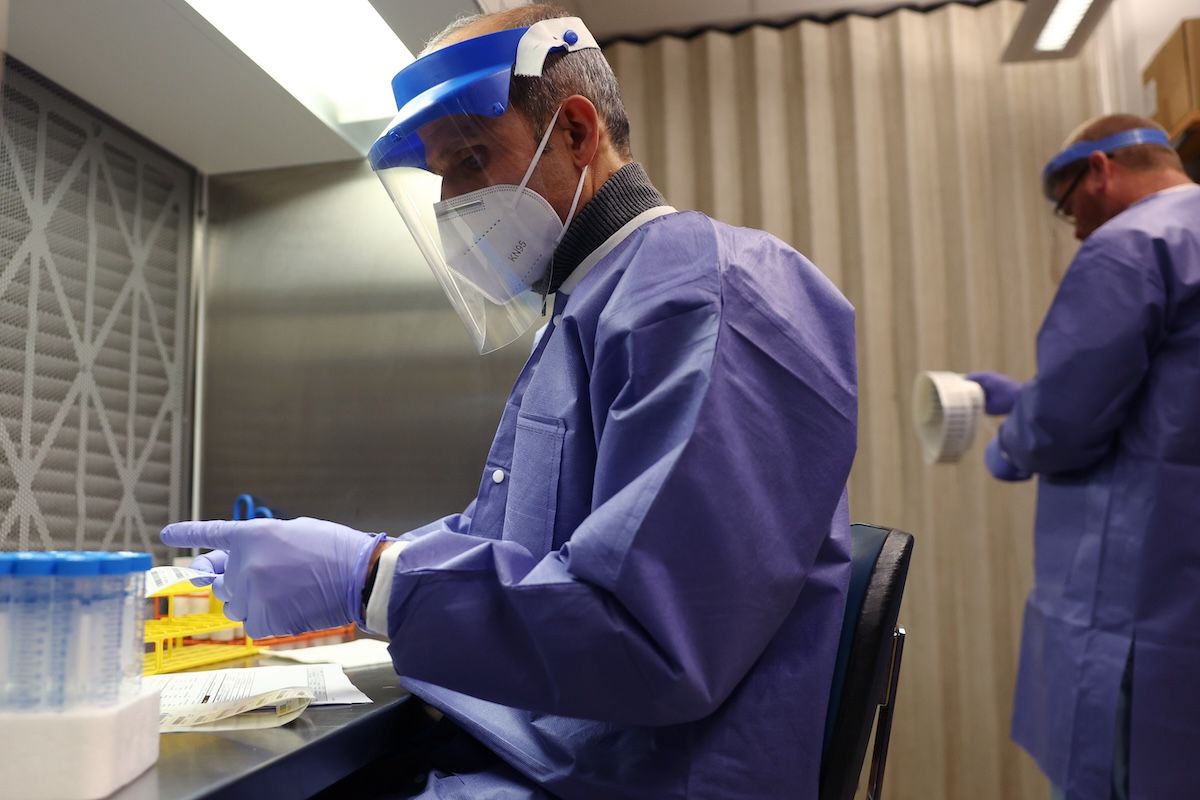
{"x":210,"y":533}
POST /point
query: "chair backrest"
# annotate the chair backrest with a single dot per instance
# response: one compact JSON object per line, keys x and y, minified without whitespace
{"x":879,"y":567}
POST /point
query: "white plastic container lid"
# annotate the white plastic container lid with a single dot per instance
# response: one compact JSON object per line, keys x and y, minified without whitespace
{"x":946,"y":412}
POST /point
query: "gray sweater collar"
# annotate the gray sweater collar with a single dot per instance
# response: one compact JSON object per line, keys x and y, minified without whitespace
{"x":627,"y":193}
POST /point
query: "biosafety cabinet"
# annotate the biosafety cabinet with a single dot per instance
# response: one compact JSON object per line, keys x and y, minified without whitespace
{"x":205,"y":292}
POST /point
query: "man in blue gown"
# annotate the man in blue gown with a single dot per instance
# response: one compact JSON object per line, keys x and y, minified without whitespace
{"x":1108,"y":700}
{"x":644,"y":598}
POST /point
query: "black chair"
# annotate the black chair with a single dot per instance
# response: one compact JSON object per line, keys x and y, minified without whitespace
{"x":868,"y":663}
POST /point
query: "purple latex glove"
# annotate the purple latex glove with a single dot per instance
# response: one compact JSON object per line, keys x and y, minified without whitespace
{"x":282,"y":576}
{"x":999,"y":391}
{"x":999,"y":465}
{"x":213,"y":561}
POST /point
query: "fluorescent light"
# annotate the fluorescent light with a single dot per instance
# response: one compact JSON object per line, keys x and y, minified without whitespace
{"x":1053,"y":29}
{"x":1061,"y":26}
{"x":337,"y":57}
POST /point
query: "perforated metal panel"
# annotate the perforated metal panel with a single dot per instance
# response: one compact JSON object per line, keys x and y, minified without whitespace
{"x":95,"y":248}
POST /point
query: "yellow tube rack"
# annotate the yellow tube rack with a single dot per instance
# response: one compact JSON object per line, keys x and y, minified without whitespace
{"x":168,"y":634}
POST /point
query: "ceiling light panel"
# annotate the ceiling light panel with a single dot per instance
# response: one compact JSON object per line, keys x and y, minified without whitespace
{"x":1054,"y":28}
{"x":337,"y":57}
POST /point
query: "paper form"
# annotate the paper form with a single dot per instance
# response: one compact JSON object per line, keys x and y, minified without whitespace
{"x":257,"y":697}
{"x":348,"y":655}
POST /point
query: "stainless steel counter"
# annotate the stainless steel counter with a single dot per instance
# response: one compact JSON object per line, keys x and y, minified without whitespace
{"x":326,"y":744}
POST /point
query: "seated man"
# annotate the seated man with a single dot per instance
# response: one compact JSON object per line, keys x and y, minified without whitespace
{"x":644,"y":598}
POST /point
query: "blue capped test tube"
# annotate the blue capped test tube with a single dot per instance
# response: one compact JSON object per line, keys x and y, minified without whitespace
{"x":6,"y":581}
{"x":110,"y":610}
{"x":32,"y":607}
{"x":133,"y":621}
{"x":74,"y":645}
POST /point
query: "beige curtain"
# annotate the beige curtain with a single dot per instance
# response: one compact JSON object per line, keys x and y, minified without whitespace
{"x":903,"y":158}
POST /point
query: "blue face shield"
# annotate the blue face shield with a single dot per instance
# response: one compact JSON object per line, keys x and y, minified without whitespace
{"x":1080,"y":151}
{"x":472,"y":78}
{"x":487,"y":235}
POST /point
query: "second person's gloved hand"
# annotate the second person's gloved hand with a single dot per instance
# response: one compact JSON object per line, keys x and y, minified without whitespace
{"x":999,"y":391}
{"x":999,"y":465}
{"x":282,"y":576}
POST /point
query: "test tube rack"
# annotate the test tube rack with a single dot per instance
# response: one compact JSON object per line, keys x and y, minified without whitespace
{"x":170,"y":639}
{"x":310,"y":639}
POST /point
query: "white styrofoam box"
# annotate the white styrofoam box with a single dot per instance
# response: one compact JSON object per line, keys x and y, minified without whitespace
{"x":81,"y":754}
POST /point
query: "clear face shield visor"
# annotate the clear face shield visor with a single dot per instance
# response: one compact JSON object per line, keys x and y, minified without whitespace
{"x":488,"y":238}
{"x":462,"y":187}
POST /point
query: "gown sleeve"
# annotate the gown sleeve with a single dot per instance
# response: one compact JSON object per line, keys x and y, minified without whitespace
{"x":1094,"y":350}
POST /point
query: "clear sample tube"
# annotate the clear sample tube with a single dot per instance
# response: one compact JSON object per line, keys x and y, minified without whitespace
{"x":6,"y":582}
{"x":74,"y":644}
{"x":59,"y":626}
{"x":110,"y":607}
{"x":133,"y":622}
{"x":32,"y":607}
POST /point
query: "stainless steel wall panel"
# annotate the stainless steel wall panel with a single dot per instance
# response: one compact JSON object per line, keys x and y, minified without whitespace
{"x":338,"y":382}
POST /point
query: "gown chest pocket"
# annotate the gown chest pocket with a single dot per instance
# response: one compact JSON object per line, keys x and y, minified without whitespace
{"x":533,"y":494}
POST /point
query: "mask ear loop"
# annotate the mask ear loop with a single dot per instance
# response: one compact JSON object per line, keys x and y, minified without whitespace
{"x":562,"y":233}
{"x":574,"y":204}
{"x":537,"y":154}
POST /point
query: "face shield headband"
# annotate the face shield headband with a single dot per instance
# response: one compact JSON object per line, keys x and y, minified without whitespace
{"x":1080,"y":151}
{"x":469,"y":77}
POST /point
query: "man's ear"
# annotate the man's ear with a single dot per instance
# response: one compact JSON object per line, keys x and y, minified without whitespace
{"x":580,"y":120}
{"x":1100,"y":169}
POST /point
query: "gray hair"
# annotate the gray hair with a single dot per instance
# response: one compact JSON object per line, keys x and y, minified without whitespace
{"x":582,"y":72}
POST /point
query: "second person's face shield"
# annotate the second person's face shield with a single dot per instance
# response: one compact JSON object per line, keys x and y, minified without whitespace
{"x":1063,"y":172}
{"x":458,"y":171}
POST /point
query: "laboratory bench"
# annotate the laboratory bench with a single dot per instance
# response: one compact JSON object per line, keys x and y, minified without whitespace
{"x":323,"y":746}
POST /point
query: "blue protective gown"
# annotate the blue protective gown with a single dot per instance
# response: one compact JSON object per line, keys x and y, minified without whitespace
{"x":1111,"y":424}
{"x":647,"y":604}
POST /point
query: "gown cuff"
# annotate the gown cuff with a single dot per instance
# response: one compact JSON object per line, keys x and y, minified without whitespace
{"x":381,"y":592}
